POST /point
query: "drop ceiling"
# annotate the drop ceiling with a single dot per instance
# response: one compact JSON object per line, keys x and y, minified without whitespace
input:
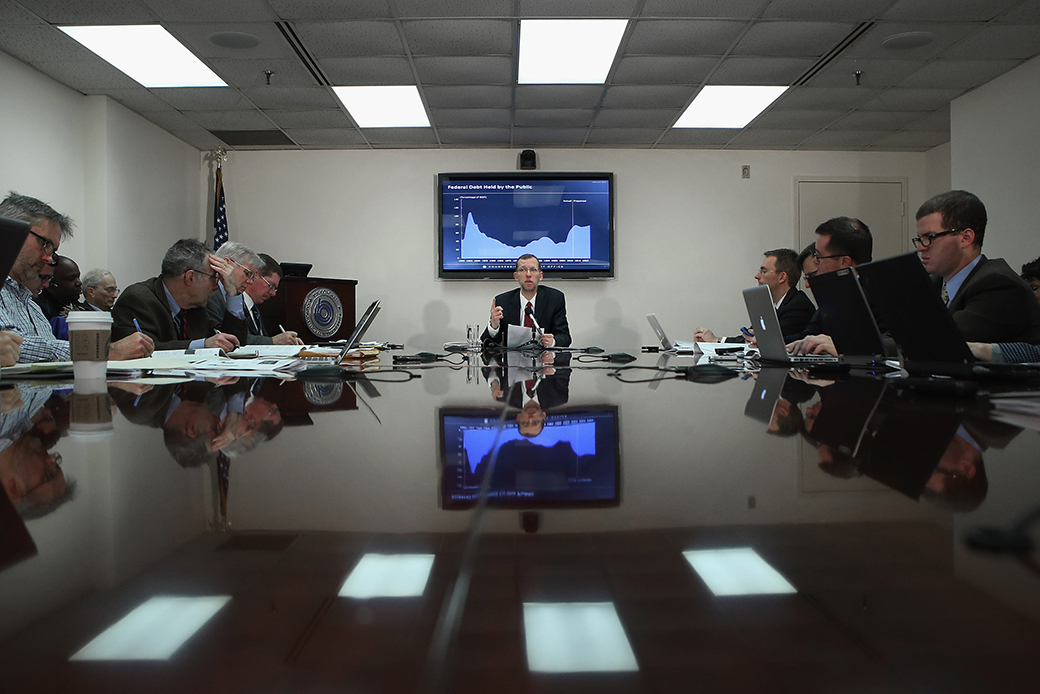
{"x":462,"y":56}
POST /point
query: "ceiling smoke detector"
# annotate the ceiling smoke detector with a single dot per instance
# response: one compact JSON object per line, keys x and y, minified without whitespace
{"x":907,"y":40}
{"x":234,"y":39}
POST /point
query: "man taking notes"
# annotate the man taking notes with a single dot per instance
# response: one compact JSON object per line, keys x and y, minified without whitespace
{"x":548,"y":308}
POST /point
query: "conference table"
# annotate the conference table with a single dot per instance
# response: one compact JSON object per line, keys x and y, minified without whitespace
{"x":521,"y":525}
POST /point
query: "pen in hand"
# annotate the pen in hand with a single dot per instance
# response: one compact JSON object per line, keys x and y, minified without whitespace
{"x":138,"y":326}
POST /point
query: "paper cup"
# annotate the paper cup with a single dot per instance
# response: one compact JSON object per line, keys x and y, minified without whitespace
{"x":91,"y":411}
{"x":89,"y":336}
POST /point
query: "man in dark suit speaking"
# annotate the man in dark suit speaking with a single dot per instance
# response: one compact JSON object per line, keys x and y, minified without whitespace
{"x":548,"y":308}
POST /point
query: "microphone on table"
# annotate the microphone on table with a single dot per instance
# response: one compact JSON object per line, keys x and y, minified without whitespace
{"x":530,"y":314}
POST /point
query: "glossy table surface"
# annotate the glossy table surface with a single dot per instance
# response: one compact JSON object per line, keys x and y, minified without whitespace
{"x":236,"y":523}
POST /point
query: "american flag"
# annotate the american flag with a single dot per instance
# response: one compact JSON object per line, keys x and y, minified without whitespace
{"x":220,"y":227}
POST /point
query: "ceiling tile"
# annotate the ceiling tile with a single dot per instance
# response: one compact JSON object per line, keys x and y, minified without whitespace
{"x":88,"y":76}
{"x":907,"y":138}
{"x":289,"y":98}
{"x":736,"y":9}
{"x":558,"y":95}
{"x":171,"y":120}
{"x":367,"y":71}
{"x":468,"y":97}
{"x":454,"y":8}
{"x":471,"y":117}
{"x":898,"y":99}
{"x":795,"y":39}
{"x":197,"y":137}
{"x":577,"y":8}
{"x":245,"y":73}
{"x":459,"y":36}
{"x":350,"y":39}
{"x":624,"y":136}
{"x":770,"y":138}
{"x":663,"y":70}
{"x":950,"y":10}
{"x":310,"y":119}
{"x":548,"y":136}
{"x":465,"y":70}
{"x":12,"y":13}
{"x":648,"y":96}
{"x":326,"y":136}
{"x":637,"y":118}
{"x":824,"y":98}
{"x":845,"y":138}
{"x":1028,"y":11}
{"x":873,"y":73}
{"x":826,"y":10}
{"x":43,"y":44}
{"x":876,"y":120}
{"x":91,"y":11}
{"x":698,"y":136}
{"x":938,"y":121}
{"x":204,"y":99}
{"x":774,"y":71}
{"x":682,"y":36}
{"x":555,"y":117}
{"x":869,"y":45}
{"x":776,"y":119}
{"x":403,"y":136}
{"x":998,"y":42}
{"x":331,"y":9}
{"x":210,"y":11}
{"x":230,"y":120}
{"x":950,"y":74}
{"x":477,"y":136}
{"x":196,"y":38}
{"x":138,"y":99}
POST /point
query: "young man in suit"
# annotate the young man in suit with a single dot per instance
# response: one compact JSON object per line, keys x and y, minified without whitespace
{"x":547,"y":305}
{"x":988,"y":301}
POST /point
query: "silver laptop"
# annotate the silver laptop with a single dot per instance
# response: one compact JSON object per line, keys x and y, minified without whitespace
{"x":354,"y":340}
{"x":12,"y":235}
{"x":770,"y":338}
{"x":677,"y":346}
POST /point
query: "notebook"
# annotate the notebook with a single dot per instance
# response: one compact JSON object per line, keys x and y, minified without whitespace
{"x":677,"y":346}
{"x":770,"y":339}
{"x":354,"y":340}
{"x":849,"y":319}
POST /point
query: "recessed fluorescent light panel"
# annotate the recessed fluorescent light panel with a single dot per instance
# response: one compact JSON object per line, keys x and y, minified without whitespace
{"x":568,"y":51}
{"x":576,"y":637}
{"x":738,"y":571}
{"x":147,"y":53}
{"x":388,"y":576}
{"x":154,"y":630}
{"x":384,"y":106}
{"x":721,"y":106}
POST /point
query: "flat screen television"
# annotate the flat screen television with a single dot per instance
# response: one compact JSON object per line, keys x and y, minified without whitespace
{"x":488,"y":220}
{"x":573,"y":463}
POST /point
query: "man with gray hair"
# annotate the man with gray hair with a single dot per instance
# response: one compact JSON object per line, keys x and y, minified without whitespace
{"x":18,"y":313}
{"x":228,"y":299}
{"x":99,"y":290}
{"x":171,"y":308}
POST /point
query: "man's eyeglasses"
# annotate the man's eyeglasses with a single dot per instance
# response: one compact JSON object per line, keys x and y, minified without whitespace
{"x":49,"y":473}
{"x":925,"y":240}
{"x":248,"y":272}
{"x":527,"y":271}
{"x":273,"y":288}
{"x":45,"y":243}
{"x":816,"y":255}
{"x":214,"y":277}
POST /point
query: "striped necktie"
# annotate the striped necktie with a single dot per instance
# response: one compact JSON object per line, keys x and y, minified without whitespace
{"x":945,"y":295}
{"x":258,"y":323}
{"x":182,"y":324}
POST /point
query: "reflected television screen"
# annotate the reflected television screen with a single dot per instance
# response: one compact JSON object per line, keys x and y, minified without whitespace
{"x":573,"y":461}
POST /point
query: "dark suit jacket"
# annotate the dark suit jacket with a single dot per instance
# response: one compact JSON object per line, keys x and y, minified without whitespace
{"x":795,"y":312}
{"x":146,"y":301}
{"x":217,"y":307}
{"x":995,"y":305}
{"x":550,"y":310}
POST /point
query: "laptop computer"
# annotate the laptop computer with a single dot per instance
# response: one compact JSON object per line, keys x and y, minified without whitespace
{"x":770,"y":339}
{"x":354,"y":340}
{"x":12,"y":237}
{"x":914,"y":313}
{"x":849,"y":319}
{"x":677,"y":346}
{"x":768,"y":385}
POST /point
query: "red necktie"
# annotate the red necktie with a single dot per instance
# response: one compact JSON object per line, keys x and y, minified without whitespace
{"x":182,"y":325}
{"x":527,"y":316}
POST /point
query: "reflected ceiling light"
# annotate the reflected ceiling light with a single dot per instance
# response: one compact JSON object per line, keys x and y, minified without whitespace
{"x":388,"y":576}
{"x":724,"y":106}
{"x":146,"y":53}
{"x":154,"y":630}
{"x":738,"y":571}
{"x":576,"y":637}
{"x":568,"y":51}
{"x":384,"y":106}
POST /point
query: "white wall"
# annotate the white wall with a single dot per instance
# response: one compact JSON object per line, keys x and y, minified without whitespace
{"x":690,"y":231}
{"x":131,"y":188}
{"x":995,"y":150}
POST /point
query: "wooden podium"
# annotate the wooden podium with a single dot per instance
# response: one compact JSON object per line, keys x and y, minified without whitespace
{"x":327,"y":303}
